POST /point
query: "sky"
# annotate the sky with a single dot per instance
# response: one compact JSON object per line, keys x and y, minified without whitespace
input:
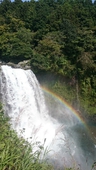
{"x":37,"y":0}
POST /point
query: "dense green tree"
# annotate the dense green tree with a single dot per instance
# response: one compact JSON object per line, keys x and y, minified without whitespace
{"x":16,"y":46}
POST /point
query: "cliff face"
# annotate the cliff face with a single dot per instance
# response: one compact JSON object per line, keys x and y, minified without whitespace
{"x":23,"y":64}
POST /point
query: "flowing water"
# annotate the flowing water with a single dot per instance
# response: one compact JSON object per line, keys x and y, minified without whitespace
{"x":42,"y":120}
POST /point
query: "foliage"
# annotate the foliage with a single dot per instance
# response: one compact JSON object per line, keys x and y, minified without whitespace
{"x":16,"y":45}
{"x":15,"y":153}
{"x":57,"y":36}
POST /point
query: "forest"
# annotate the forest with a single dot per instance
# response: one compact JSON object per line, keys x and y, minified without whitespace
{"x":57,"y":36}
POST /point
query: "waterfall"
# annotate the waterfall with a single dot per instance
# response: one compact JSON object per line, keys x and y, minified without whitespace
{"x":24,"y":102}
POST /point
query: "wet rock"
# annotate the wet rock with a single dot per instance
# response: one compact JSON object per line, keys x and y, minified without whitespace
{"x":23,"y":64}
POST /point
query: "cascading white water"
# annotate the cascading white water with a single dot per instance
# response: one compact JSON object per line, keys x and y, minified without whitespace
{"x":24,"y":103}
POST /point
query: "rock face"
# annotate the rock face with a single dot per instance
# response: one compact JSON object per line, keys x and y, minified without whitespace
{"x":23,"y":64}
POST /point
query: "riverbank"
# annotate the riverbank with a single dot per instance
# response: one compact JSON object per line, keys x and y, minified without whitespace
{"x":16,"y":153}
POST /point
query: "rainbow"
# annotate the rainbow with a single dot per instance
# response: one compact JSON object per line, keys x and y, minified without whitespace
{"x":61,"y":100}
